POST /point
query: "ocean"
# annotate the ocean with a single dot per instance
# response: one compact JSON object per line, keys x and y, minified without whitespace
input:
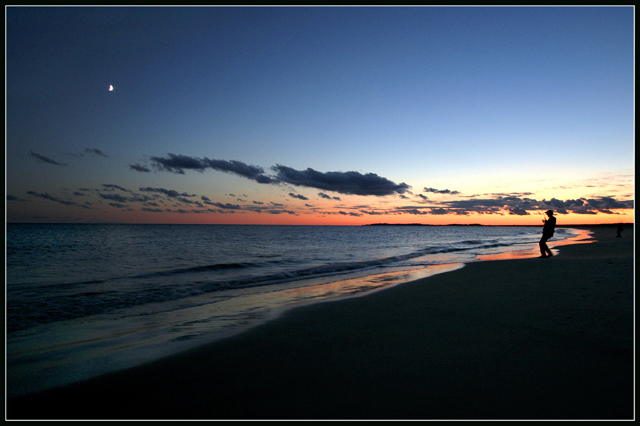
{"x":83,"y":300}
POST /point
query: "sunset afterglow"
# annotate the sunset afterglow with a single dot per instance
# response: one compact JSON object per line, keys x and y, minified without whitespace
{"x":320,"y":116}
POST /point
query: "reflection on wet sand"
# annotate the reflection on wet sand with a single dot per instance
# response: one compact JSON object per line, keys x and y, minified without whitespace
{"x":582,"y":237}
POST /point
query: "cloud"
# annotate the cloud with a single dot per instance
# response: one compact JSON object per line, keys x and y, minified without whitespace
{"x":281,"y":212}
{"x":479,"y":203}
{"x":518,"y":211}
{"x":168,"y":192}
{"x":522,"y":206}
{"x":237,"y":167}
{"x":175,"y":195}
{"x":439,"y":211}
{"x":179,"y":163}
{"x":139,"y":168}
{"x":134,"y":198}
{"x":440,"y":191}
{"x":90,"y":151}
{"x":95,"y":151}
{"x":327,"y":197}
{"x":298,"y":196}
{"x":110,"y":186}
{"x":115,"y":197}
{"x":412,"y":210}
{"x":46,"y":196}
{"x":518,"y":206}
{"x":353,"y":183}
{"x":487,"y":204}
{"x":46,"y":159}
{"x":227,"y":206}
{"x":370,"y":184}
{"x":608,"y":203}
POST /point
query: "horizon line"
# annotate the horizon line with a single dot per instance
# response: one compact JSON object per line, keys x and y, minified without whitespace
{"x":281,"y":224}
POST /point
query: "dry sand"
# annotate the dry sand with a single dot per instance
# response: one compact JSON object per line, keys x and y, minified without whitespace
{"x":505,"y":339}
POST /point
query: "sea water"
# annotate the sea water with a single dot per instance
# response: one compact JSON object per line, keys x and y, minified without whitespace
{"x":83,"y":300}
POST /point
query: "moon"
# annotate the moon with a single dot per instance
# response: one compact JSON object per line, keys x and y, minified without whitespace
{"x":111,"y":88}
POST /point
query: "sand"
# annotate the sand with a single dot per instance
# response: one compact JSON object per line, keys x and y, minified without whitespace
{"x":504,"y":339}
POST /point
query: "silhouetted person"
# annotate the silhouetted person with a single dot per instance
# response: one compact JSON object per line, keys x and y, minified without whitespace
{"x":547,"y":232}
{"x":620,"y":229}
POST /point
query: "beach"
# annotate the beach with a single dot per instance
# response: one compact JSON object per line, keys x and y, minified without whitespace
{"x":497,"y":339}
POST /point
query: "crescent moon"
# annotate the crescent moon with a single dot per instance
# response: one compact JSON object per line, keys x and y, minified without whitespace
{"x":110,"y":88}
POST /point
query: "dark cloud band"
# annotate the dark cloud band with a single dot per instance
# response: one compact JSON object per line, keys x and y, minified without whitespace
{"x":354,"y":183}
{"x":176,"y":163}
{"x":342,"y":182}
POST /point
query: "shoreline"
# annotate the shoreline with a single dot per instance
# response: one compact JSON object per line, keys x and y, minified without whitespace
{"x":54,"y":370}
{"x":441,"y":347}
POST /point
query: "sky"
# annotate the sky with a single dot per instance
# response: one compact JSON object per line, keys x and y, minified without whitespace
{"x":319,"y":115}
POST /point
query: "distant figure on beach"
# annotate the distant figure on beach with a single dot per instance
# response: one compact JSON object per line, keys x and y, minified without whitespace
{"x":547,"y":232}
{"x":620,"y":229}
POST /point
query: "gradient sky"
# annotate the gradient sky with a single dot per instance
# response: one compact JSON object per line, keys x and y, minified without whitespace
{"x":320,"y":115}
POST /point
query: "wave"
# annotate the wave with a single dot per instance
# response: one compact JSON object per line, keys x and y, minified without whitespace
{"x":93,"y":297}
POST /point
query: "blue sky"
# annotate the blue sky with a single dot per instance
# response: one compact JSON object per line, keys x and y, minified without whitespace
{"x":478,"y":104}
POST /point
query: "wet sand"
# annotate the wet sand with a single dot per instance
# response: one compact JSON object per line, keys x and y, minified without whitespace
{"x":503,"y":339}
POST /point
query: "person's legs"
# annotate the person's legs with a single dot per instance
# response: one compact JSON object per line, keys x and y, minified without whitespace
{"x":544,"y":249}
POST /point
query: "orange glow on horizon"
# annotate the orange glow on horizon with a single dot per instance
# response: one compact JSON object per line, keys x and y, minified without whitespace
{"x":344,"y":218}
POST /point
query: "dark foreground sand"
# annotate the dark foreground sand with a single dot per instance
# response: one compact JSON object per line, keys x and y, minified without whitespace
{"x":507,"y":339}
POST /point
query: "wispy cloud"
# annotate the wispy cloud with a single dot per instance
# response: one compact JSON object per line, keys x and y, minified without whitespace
{"x":161,"y":200}
{"x":135,"y":198}
{"x":440,"y":191}
{"x":168,"y":192}
{"x":182,"y":197}
{"x":489,"y":204}
{"x":95,"y":151}
{"x":111,"y":186}
{"x":227,"y":206}
{"x":45,"y":159}
{"x":139,"y":168}
{"x":46,"y":196}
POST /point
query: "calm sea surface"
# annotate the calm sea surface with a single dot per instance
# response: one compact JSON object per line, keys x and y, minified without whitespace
{"x":83,"y":300}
